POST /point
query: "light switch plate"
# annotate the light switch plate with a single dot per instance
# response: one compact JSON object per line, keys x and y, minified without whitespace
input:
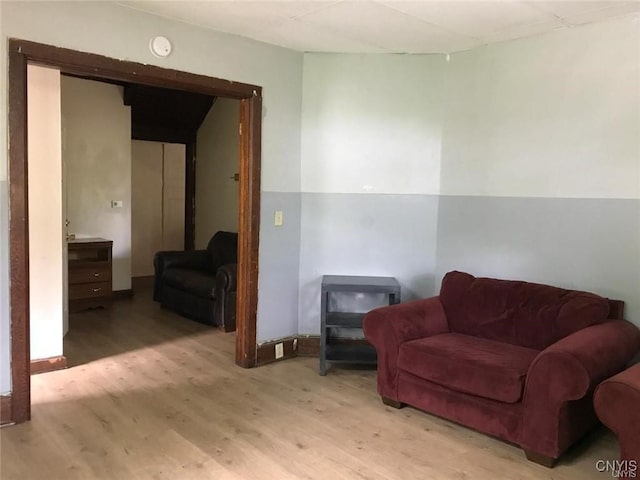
{"x":278,"y":219}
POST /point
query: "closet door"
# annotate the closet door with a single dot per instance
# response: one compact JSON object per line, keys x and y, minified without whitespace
{"x":146,"y":205}
{"x":173,"y":196}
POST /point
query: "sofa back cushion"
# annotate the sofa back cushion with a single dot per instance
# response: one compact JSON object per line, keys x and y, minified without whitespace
{"x":520,"y":313}
{"x":222,"y":249}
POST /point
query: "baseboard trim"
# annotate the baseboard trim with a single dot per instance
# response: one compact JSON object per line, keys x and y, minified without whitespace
{"x":144,"y":282}
{"x":6,"y":417}
{"x":50,"y":364}
{"x":120,"y":294}
{"x":298,"y":346}
{"x":309,"y":346}
{"x":266,"y":352}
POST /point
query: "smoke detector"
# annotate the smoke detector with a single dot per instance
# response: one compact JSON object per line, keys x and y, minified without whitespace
{"x":160,"y":46}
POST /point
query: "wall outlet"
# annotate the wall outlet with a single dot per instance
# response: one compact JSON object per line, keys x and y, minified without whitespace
{"x":117,"y":203}
{"x":279,"y":350}
{"x":278,"y":219}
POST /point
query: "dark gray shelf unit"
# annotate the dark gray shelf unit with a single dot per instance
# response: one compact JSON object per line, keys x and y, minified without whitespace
{"x":357,"y":353}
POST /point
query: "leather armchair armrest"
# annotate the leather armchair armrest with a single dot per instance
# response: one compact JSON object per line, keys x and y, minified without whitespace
{"x":569,"y":370}
{"x":226,"y":278}
{"x":194,"y":259}
{"x":389,"y":327}
{"x":225,"y":295}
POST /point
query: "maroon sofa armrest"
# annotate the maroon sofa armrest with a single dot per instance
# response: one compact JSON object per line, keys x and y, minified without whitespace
{"x":616,"y":403}
{"x":568,"y":370}
{"x":389,"y":327}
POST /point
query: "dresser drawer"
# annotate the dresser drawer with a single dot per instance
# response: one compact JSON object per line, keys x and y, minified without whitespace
{"x":89,"y":290}
{"x":89,"y":275}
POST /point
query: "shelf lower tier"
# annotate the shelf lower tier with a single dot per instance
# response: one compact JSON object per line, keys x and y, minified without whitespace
{"x":355,"y":354}
{"x":344,"y":320}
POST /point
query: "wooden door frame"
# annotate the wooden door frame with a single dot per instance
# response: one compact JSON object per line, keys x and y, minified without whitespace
{"x":21,"y":53}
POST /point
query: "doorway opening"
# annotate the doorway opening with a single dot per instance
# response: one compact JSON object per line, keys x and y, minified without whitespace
{"x":99,"y":67}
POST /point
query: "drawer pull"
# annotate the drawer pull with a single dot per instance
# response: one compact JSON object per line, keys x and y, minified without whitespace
{"x":96,"y":274}
{"x":97,"y":289}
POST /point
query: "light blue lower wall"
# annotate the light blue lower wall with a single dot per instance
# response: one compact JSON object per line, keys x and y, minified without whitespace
{"x":365,"y":234}
{"x":585,"y":244}
{"x":5,"y":336}
{"x":279,"y":266}
{"x":575,"y":243}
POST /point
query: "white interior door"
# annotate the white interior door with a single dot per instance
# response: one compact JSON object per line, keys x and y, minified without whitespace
{"x":146,"y":205}
{"x":173,"y":196}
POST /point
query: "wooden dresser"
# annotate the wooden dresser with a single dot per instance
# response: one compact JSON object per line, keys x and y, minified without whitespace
{"x":89,"y":262}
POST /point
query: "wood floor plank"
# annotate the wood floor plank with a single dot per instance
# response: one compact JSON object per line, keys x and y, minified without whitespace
{"x":151,"y":395}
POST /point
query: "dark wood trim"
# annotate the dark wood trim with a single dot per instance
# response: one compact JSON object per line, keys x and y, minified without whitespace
{"x":122,"y":294}
{"x":50,"y":364}
{"x":5,"y":410}
{"x":100,"y":67}
{"x":141,"y":282}
{"x":299,"y":346}
{"x":309,"y":346}
{"x":249,"y":228}
{"x":266,"y":352}
{"x":190,"y":196}
{"x":19,"y":238}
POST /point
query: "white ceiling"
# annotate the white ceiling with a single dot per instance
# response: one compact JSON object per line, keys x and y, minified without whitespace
{"x":385,"y":26}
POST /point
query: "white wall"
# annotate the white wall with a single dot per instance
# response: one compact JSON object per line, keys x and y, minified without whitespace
{"x":371,"y":130}
{"x":217,"y":160}
{"x":372,"y":123}
{"x":541,"y":161}
{"x":555,"y":115}
{"x":97,"y":151}
{"x":146,"y":205}
{"x":533,"y":122}
{"x":45,"y":212}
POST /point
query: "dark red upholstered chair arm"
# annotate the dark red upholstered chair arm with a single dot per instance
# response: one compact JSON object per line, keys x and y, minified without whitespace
{"x":389,"y":327}
{"x":617,"y":404}
{"x":568,"y":370}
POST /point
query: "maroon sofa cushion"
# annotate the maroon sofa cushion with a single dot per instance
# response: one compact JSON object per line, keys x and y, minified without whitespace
{"x":474,"y":365}
{"x":520,"y":313}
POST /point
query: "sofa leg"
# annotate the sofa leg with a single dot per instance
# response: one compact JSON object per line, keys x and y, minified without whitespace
{"x":540,"y":459}
{"x":392,"y":403}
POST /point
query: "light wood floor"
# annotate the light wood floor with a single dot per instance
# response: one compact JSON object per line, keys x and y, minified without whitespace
{"x":150,"y":395}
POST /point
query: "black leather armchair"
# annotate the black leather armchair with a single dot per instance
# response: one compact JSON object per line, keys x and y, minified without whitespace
{"x":200,"y":284}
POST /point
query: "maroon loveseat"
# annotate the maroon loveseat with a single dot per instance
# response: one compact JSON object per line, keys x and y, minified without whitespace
{"x":513,"y":359}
